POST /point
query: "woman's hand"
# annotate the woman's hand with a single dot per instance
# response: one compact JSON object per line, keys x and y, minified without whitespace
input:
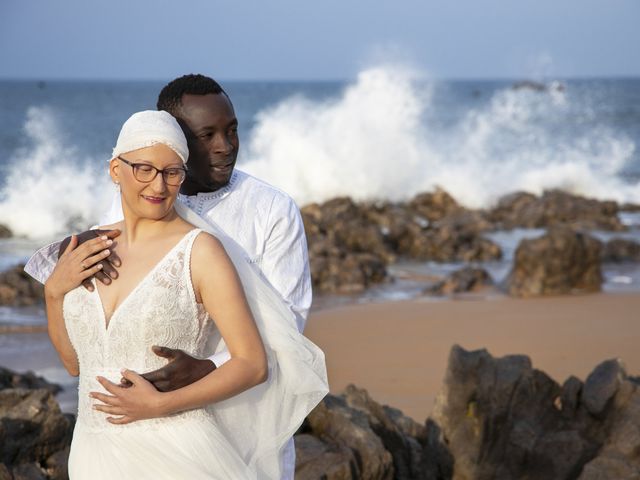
{"x":128,"y":404}
{"x":77,"y":264}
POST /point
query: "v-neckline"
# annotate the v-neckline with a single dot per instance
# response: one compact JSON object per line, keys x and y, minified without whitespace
{"x":106,"y":323}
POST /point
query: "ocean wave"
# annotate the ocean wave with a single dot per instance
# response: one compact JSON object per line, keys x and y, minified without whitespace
{"x":377,"y":140}
{"x":51,"y":189}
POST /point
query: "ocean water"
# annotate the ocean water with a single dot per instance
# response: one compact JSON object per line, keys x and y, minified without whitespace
{"x":388,"y":134}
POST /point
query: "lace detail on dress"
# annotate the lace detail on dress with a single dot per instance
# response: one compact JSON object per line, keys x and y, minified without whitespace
{"x":161,"y":310}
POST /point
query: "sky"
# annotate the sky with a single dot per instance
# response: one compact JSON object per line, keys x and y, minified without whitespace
{"x":328,"y":40}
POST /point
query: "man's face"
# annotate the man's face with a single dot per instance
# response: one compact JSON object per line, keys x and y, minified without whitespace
{"x":211,"y":128}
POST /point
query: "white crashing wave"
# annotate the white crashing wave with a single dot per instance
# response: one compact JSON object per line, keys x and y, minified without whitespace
{"x":375,"y":142}
{"x":48,"y":189}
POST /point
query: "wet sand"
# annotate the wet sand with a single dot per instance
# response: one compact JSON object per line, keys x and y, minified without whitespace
{"x":398,"y":351}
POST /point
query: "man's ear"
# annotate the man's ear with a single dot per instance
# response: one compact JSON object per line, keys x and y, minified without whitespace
{"x":114,"y":170}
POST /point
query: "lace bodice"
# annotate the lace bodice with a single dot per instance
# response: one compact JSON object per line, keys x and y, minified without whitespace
{"x":160,"y":310}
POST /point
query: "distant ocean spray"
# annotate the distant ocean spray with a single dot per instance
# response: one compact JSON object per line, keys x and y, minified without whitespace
{"x":388,"y":135}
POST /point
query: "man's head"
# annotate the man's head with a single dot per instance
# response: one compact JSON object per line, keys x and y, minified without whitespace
{"x":208,"y":120}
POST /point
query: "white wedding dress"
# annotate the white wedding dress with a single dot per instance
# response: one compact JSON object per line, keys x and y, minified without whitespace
{"x":235,"y":439}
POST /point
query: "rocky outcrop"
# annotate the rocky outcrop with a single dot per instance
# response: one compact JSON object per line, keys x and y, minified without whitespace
{"x":503,"y":419}
{"x":621,"y":250}
{"x":555,"y":207}
{"x":560,"y":262}
{"x":353,"y":437}
{"x":34,"y":434}
{"x":350,"y":245}
{"x":19,"y":289}
{"x":5,"y":232}
{"x":467,"y":279}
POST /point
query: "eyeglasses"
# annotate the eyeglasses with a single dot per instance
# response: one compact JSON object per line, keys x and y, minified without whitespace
{"x":146,"y":173}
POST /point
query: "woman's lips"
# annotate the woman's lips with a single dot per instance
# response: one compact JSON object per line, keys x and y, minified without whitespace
{"x":154,"y":200}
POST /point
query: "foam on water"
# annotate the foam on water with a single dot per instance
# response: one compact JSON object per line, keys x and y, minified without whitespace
{"x":378,"y":140}
{"x":49,"y":190}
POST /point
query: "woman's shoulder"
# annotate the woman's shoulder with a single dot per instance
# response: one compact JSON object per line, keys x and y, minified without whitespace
{"x":206,"y":246}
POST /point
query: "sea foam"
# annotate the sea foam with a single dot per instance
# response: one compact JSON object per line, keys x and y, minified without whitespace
{"x":49,"y":189}
{"x":375,"y":141}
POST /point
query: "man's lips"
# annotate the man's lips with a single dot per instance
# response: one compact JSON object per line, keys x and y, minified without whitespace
{"x":154,"y":200}
{"x":222,"y":167}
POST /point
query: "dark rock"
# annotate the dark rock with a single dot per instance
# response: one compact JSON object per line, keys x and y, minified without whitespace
{"x":31,"y":426}
{"x":630,"y":207}
{"x":501,"y":420}
{"x":334,"y":422}
{"x":28,"y":380}
{"x":19,"y":289}
{"x":555,"y":207}
{"x":316,"y":459}
{"x":56,"y":465}
{"x":467,"y":279}
{"x":5,"y":232}
{"x":619,"y":457}
{"x":601,"y":385}
{"x":570,"y":396}
{"x":621,"y":250}
{"x":434,"y":206}
{"x":560,"y":262}
{"x":5,"y":474}
{"x":405,"y":450}
{"x":28,"y":471}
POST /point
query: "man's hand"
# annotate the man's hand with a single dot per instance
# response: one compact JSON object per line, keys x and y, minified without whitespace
{"x":109,"y":264}
{"x":182,"y":370}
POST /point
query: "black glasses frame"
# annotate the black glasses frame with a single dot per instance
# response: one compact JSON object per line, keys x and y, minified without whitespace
{"x":135,"y":166}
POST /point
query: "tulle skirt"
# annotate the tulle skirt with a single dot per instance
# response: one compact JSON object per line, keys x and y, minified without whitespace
{"x":190,"y":450}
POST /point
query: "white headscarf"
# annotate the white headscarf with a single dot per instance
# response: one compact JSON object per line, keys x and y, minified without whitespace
{"x":148,"y":128}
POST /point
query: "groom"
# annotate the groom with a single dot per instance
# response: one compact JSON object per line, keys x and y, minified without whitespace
{"x":261,"y":218}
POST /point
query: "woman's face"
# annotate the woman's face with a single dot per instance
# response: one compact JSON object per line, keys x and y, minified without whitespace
{"x":154,"y":199}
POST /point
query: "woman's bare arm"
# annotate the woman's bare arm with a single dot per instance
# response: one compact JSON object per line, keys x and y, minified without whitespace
{"x":73,"y":267}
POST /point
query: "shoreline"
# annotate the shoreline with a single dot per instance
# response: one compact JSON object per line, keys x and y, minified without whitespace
{"x":398,"y":351}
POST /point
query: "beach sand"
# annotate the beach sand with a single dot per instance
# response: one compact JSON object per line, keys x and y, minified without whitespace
{"x":398,"y":351}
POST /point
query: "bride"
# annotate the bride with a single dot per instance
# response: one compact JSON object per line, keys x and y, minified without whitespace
{"x":185,"y":285}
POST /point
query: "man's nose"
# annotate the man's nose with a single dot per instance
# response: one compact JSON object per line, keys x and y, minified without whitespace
{"x":221,"y":144}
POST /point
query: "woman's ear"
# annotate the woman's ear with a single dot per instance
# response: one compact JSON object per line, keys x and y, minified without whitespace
{"x":114,"y":170}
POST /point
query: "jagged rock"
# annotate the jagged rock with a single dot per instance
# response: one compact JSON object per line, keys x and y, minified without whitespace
{"x":56,"y":465}
{"x":28,"y":380}
{"x":28,"y":471}
{"x":348,"y":273}
{"x":621,"y":250}
{"x":501,"y":420}
{"x":630,"y":207}
{"x":405,"y":450}
{"x":316,"y":459}
{"x":601,"y":385}
{"x":447,"y":242}
{"x":5,"y":232}
{"x":31,"y":426}
{"x":555,"y":207}
{"x":466,"y":279}
{"x":5,"y":474}
{"x":18,"y":289}
{"x":559,"y":262}
{"x":434,"y":206}
{"x":333,"y":421}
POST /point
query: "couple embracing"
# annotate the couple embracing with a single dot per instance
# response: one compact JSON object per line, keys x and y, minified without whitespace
{"x":201,"y":265}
